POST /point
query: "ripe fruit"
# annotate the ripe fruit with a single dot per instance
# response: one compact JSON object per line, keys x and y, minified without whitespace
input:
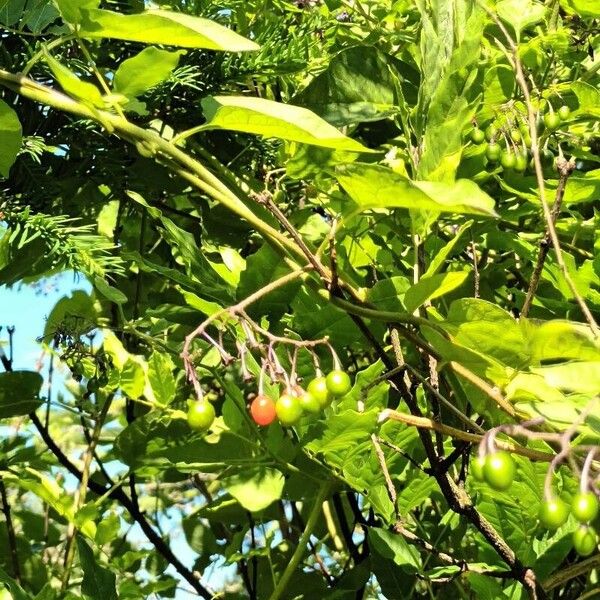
{"x":477,"y":467}
{"x":338,"y":383}
{"x":309,"y":403}
{"x":520,"y":163}
{"x":201,"y":415}
{"x":492,"y":152}
{"x":317,"y":388}
{"x":477,"y":136}
{"x":584,"y":540}
{"x":288,"y":409}
{"x":552,"y":121}
{"x":564,"y":112}
{"x":491,"y":132}
{"x":262,"y":410}
{"x":554,"y":513}
{"x":508,"y":159}
{"x":585,"y":507}
{"x":499,"y":470}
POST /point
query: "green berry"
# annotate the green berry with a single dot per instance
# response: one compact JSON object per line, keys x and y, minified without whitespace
{"x":585,"y":506}
{"x":338,"y":383}
{"x":317,"y":388}
{"x":554,"y":513}
{"x":584,"y":540}
{"x":508,"y":159}
{"x":477,"y":136}
{"x":564,"y":112}
{"x":492,"y":152}
{"x":499,"y":470}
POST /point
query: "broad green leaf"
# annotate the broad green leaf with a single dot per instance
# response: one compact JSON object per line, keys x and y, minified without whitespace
{"x":138,"y":74}
{"x":587,"y":9}
{"x":78,"y":307}
{"x":520,"y":14}
{"x":388,"y":294}
{"x":132,"y":378}
{"x":10,"y":137}
{"x":429,"y":288}
{"x":358,"y":85}
{"x":108,"y":529}
{"x":440,"y":257}
{"x":163,"y":27}
{"x":39,"y":14}
{"x":72,"y":85}
{"x":394,"y":547}
{"x":553,"y":340}
{"x":255,"y":489}
{"x":71,"y":10}
{"x":583,"y":98}
{"x":109,"y":292}
{"x":48,"y":490}
{"x":99,"y":583}
{"x":160,"y":375}
{"x":11,"y":11}
{"x":532,"y":386}
{"x":375,"y":186}
{"x":19,"y":393}
{"x":580,"y":377}
{"x":274,"y":119}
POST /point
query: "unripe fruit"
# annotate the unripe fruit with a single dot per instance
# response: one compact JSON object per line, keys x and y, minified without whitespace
{"x":262,"y":410}
{"x":492,"y":152}
{"x":520,"y":163}
{"x":564,"y":112}
{"x":585,"y":540}
{"x":552,"y":121}
{"x":477,"y":136}
{"x":477,"y":467}
{"x":317,"y":388}
{"x":288,"y":409}
{"x":507,"y":159}
{"x":499,"y":470}
{"x":554,"y":513}
{"x":491,"y":132}
{"x":338,"y":383}
{"x":515,"y":135}
{"x":201,"y":415}
{"x":585,"y":507}
{"x":309,"y":403}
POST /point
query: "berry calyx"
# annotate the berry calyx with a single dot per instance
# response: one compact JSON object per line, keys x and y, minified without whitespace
{"x":585,"y":507}
{"x":554,"y":513}
{"x":499,"y":470}
{"x":262,"y":410}
{"x":584,"y":540}
{"x":317,"y":388}
{"x":338,"y":383}
{"x":201,"y":415}
{"x":288,"y":409}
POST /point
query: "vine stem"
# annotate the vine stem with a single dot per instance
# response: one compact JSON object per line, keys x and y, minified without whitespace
{"x":302,"y":542}
{"x":474,"y":438}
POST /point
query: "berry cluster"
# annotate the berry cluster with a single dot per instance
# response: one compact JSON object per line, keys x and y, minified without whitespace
{"x":497,"y":468}
{"x":513,"y":155}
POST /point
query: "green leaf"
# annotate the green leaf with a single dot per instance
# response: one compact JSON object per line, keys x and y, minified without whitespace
{"x":72,"y":85}
{"x":77,"y":307}
{"x":11,"y":11}
{"x":19,"y":393}
{"x":138,"y":74}
{"x":580,"y":377}
{"x":111,"y":293}
{"x":557,"y":339}
{"x":274,"y":119}
{"x":163,"y":27}
{"x":108,"y":529}
{"x":160,"y":375}
{"x":18,"y":593}
{"x":358,"y":85}
{"x":255,"y":488}
{"x":375,"y":186}
{"x":394,"y":547}
{"x":428,"y":288}
{"x":520,"y":14}
{"x":71,"y":10}
{"x":442,"y":255}
{"x":10,"y":137}
{"x":587,"y":9}
{"x":98,"y":582}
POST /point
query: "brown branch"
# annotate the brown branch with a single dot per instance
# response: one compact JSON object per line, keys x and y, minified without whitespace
{"x":12,"y":538}
{"x":572,"y":571}
{"x":474,"y":438}
{"x":565,"y":168}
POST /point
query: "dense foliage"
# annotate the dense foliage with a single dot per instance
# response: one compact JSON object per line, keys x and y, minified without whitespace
{"x":345,"y":276}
